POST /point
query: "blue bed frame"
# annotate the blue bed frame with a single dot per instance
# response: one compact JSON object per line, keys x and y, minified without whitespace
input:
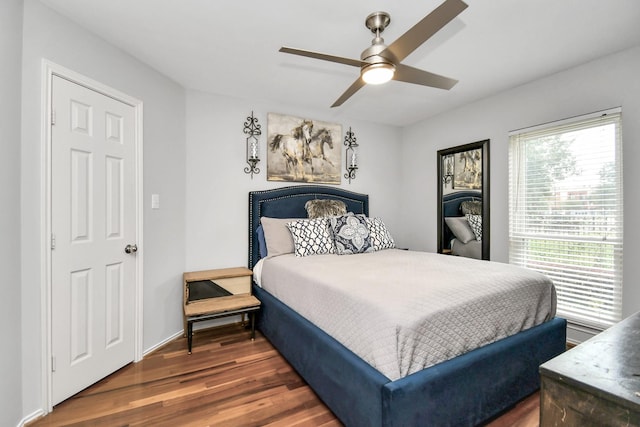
{"x":464,"y":391}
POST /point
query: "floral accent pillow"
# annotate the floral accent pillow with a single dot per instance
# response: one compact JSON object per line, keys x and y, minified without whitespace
{"x":351,"y":234}
{"x":475,"y":221}
{"x":379,"y":235}
{"x":322,"y":208}
{"x":311,"y":237}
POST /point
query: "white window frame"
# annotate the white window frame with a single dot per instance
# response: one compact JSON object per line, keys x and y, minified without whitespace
{"x":544,"y":245}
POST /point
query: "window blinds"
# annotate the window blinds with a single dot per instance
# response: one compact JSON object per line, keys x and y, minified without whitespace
{"x":565,"y":212}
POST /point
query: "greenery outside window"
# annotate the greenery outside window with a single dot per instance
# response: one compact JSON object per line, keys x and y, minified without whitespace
{"x":565,"y":212}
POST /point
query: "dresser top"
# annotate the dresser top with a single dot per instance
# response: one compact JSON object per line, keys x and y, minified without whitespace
{"x":608,"y":365}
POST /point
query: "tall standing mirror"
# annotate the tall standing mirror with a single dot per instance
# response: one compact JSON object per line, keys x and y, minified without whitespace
{"x":463,"y":200}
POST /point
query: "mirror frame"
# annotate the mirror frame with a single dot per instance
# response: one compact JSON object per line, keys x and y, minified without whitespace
{"x":486,"y":200}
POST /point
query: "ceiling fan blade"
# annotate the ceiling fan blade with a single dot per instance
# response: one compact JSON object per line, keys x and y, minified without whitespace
{"x":323,"y":56}
{"x":407,"y":74}
{"x":427,"y":27}
{"x":359,"y":83}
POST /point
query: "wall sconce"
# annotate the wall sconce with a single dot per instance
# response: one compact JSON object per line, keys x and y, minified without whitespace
{"x":351,"y":159}
{"x":252,"y":128}
{"x":447,"y":167}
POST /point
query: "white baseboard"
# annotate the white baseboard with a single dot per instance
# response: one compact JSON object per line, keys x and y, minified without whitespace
{"x":32,"y":417}
{"x":161,"y":343}
{"x":196,"y":327}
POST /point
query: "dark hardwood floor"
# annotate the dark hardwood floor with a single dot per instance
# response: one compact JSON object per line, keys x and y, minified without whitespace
{"x":229,"y":380}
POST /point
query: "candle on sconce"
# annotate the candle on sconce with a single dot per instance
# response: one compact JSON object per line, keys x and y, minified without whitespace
{"x":252,"y":129}
{"x":351,"y":155}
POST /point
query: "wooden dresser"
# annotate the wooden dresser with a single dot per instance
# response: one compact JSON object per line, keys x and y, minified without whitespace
{"x":597,"y":383}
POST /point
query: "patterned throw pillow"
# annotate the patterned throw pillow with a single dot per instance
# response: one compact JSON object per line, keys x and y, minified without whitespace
{"x":475,"y":221}
{"x":311,"y":237}
{"x":322,"y":208}
{"x":379,"y":235}
{"x":351,"y":234}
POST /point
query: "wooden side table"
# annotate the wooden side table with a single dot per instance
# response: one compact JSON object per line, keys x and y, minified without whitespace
{"x":211,"y":294}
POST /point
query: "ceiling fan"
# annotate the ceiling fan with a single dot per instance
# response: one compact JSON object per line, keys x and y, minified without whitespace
{"x":380,"y":63}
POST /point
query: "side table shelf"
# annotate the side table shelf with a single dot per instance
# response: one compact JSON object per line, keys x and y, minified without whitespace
{"x":212,"y":294}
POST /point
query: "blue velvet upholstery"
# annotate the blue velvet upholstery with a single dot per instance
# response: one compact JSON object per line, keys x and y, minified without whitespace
{"x":346,"y":384}
{"x":476,"y":386}
{"x":464,"y":391}
{"x":262,"y":244}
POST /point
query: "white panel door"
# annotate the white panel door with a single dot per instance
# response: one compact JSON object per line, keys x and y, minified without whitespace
{"x":92,"y":221}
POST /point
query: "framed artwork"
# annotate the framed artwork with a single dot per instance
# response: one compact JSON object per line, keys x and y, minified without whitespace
{"x":303,"y":150}
{"x":467,"y":171}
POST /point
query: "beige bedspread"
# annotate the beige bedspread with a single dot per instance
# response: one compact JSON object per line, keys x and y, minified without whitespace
{"x":402,"y":311}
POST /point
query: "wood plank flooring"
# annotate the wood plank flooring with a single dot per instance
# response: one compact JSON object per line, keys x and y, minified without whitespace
{"x":229,"y":380}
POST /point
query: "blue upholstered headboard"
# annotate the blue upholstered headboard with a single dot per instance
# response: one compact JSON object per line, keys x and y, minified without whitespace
{"x":451,"y":207}
{"x":288,"y":202}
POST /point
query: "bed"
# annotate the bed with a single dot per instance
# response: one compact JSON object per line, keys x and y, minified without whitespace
{"x":466,"y":390}
{"x":458,"y":235}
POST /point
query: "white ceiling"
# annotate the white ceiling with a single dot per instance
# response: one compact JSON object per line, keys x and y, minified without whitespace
{"x":231,"y":47}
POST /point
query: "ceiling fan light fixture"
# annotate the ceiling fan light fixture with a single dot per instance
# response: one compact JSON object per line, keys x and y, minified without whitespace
{"x":376,"y":74}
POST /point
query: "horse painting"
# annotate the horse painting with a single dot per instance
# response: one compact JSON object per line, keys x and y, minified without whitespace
{"x":295,"y":148}
{"x":302,"y":150}
{"x":316,"y":146}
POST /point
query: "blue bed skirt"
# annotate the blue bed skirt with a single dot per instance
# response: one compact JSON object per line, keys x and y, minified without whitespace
{"x":464,"y":391}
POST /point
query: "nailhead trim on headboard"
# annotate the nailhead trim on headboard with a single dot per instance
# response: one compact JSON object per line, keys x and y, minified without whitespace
{"x":258,"y":200}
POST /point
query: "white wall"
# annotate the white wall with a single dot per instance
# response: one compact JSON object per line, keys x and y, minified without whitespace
{"x":10,"y":325}
{"x":51,"y":36}
{"x":217,"y":187}
{"x":607,"y":82}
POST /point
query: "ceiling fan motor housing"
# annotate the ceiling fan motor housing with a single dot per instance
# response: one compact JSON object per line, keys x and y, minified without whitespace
{"x":377,"y":22}
{"x":372,"y":54}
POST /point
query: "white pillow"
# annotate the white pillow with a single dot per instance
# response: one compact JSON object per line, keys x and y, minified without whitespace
{"x":460,"y":228}
{"x":277,"y":236}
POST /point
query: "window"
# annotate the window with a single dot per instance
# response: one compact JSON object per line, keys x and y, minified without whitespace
{"x":565,"y":212}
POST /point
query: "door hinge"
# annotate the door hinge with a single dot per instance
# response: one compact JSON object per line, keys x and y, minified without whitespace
{"x":53,"y":117}
{"x":53,"y":241}
{"x":53,"y":363}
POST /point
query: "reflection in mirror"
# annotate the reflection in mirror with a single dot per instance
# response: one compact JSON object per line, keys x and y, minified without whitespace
{"x":463,"y":200}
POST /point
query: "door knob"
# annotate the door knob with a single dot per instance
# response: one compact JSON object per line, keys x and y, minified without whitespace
{"x":131,"y":249}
